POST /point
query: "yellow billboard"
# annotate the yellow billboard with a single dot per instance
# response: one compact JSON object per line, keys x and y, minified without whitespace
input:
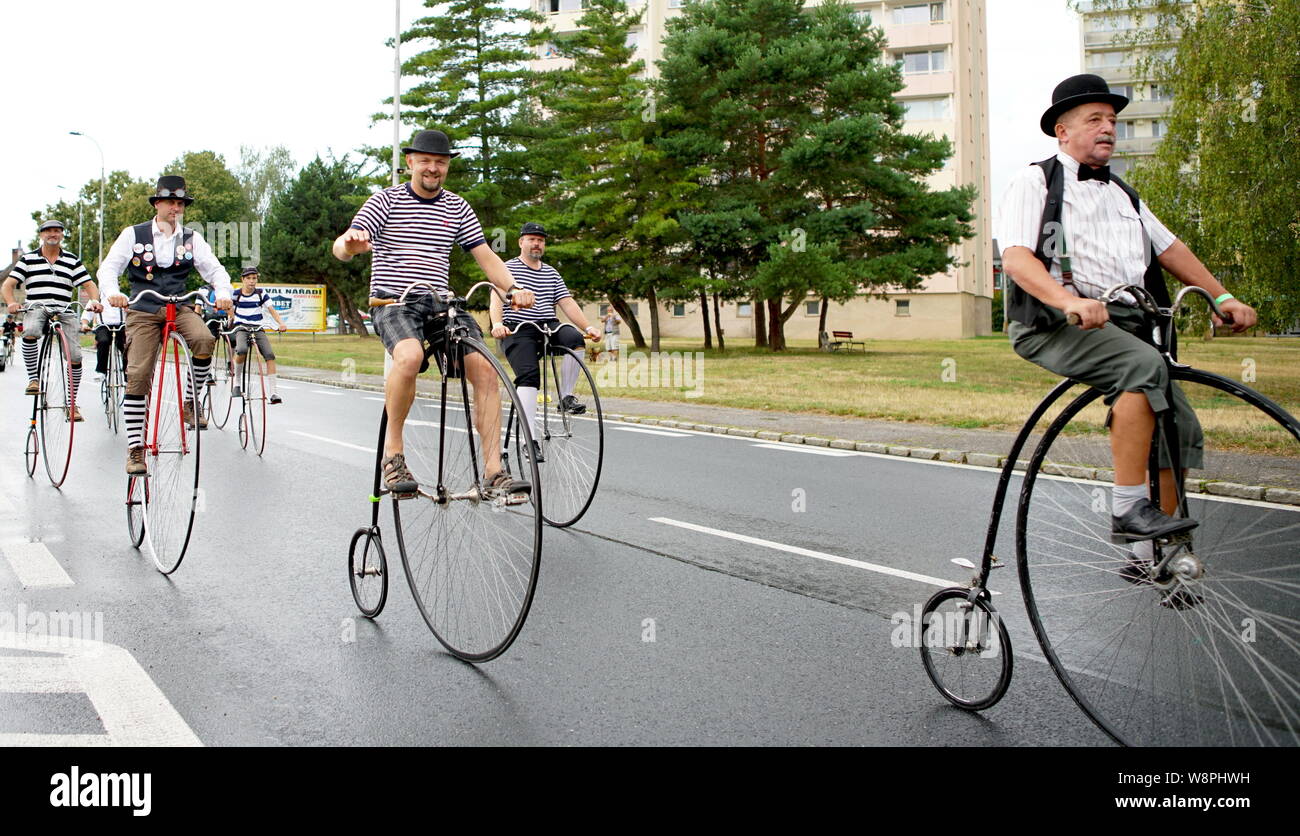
{"x":301,"y":306}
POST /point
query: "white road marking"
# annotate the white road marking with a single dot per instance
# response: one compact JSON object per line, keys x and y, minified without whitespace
{"x":648,"y":431}
{"x":35,"y":566}
{"x":368,"y":398}
{"x":830,"y":558}
{"x":435,"y":424}
{"x":334,"y":441}
{"x":39,"y":674}
{"x":816,"y":451}
{"x":284,"y":385}
{"x":133,"y":710}
{"x":325,"y":392}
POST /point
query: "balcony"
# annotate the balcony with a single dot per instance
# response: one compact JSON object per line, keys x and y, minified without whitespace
{"x":927,"y":84}
{"x":918,"y":35}
{"x":1146,"y":110}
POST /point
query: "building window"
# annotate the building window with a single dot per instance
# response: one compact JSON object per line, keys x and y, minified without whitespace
{"x":1160,"y":94}
{"x":1118,"y":165}
{"x":1158,"y":127}
{"x":602,"y":310}
{"x":634,"y":38}
{"x":679,"y":309}
{"x":902,"y":307}
{"x":863,"y":16}
{"x":813,"y":307}
{"x":676,"y":4}
{"x":1124,"y":130}
{"x":1107,"y":59}
{"x":929,"y":61}
{"x":1125,"y":90}
{"x":927,"y":109}
{"x":549,"y":50}
{"x":744,"y":309}
{"x":919,"y":13}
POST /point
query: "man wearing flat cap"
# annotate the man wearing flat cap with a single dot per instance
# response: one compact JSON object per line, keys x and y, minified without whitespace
{"x":1070,"y":230}
{"x":411,"y":229}
{"x":158,"y":255}
{"x":50,"y":275}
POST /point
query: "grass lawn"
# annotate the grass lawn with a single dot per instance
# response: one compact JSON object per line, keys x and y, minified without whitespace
{"x":955,"y":383}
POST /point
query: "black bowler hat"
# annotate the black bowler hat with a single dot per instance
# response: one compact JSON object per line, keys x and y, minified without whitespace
{"x":532,"y":228}
{"x":50,"y":225}
{"x":248,"y":271}
{"x":169,"y":186}
{"x":431,"y":142}
{"x":1077,"y":90}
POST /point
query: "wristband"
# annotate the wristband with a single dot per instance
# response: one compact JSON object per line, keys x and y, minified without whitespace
{"x":497,"y":325}
{"x":1225,"y":297}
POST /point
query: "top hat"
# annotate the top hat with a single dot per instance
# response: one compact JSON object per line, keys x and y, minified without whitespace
{"x":431,"y":142}
{"x":169,"y":186}
{"x":1077,"y":90}
{"x":532,"y":228}
{"x":50,"y":224}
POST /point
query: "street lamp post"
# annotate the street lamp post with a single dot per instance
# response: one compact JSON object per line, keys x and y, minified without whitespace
{"x":101,"y":190}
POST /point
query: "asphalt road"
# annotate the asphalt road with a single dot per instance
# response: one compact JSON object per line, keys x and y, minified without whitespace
{"x":256,"y":639}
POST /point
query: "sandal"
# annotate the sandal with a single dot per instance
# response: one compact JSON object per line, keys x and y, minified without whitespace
{"x":502,"y":484}
{"x":397,"y":478}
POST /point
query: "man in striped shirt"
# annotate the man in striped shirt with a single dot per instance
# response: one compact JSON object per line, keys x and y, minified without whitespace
{"x":522,"y":342}
{"x":411,"y":229}
{"x":249,"y":303}
{"x":50,"y":276}
{"x":1107,"y":240}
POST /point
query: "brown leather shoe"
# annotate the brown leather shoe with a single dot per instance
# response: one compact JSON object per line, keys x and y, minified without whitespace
{"x":76,"y":414}
{"x":33,"y":388}
{"x":190,"y":410}
{"x":135,"y":464}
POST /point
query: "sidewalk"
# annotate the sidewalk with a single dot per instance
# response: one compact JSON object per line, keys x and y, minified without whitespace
{"x":983,"y":448}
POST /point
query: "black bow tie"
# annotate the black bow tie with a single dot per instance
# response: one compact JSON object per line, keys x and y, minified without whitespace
{"x":1087,"y":172}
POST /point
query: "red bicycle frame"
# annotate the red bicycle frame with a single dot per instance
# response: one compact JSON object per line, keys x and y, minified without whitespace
{"x":168,"y":328}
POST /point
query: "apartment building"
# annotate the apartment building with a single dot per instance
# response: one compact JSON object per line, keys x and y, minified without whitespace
{"x":941,"y":47}
{"x":1106,"y":37}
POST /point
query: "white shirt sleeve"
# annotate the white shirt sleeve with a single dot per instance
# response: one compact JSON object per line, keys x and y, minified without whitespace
{"x":1161,"y":238}
{"x":209,"y":267}
{"x":1022,"y":209}
{"x":114,"y":264}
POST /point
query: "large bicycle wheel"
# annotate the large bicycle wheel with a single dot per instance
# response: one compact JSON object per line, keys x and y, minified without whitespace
{"x":137,"y":494}
{"x":965,"y":649}
{"x":1196,"y":642}
{"x":255,"y":400}
{"x":221,"y":384}
{"x":113,"y":388}
{"x":471,"y":561}
{"x":172,"y":452}
{"x":573,"y":446}
{"x":55,"y":405}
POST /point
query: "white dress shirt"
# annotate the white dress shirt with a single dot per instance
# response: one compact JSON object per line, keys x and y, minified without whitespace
{"x":164,"y":251}
{"x":1106,"y":240}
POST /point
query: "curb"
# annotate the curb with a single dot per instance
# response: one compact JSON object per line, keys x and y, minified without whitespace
{"x":991,"y":461}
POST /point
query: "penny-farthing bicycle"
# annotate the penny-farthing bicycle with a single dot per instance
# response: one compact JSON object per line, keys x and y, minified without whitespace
{"x":471,"y":553}
{"x":572,"y":442}
{"x":112,"y":389}
{"x":1194,"y":640}
{"x":250,"y":378}
{"x":49,"y":435}
{"x":160,"y":506}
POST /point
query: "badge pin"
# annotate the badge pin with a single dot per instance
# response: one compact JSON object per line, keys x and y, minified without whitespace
{"x":148,"y":247}
{"x":188,"y":256}
{"x":148,"y":256}
{"x":135,"y":262}
{"x":138,"y":248}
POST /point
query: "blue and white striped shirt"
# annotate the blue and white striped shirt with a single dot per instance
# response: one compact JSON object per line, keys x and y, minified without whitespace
{"x":545,"y":283}
{"x":248,"y":309}
{"x":412,"y":236}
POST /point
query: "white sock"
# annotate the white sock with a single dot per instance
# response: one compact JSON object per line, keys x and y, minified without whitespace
{"x":1125,"y":497}
{"x":568,"y":375}
{"x":271,"y":379}
{"x":528,"y":397}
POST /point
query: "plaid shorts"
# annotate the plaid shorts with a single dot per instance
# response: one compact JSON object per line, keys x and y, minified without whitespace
{"x":422,"y":318}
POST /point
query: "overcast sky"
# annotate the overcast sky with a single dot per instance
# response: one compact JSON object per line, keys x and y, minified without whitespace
{"x":308,"y":75}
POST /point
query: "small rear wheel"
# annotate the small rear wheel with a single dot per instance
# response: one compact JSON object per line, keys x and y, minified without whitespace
{"x":965,"y":649}
{"x":32,"y":452}
{"x":368,"y":571}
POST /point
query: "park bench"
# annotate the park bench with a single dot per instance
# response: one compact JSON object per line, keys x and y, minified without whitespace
{"x":840,"y":340}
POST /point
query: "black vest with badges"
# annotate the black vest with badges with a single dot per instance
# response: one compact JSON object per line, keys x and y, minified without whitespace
{"x":145,"y":273}
{"x":1022,"y":306}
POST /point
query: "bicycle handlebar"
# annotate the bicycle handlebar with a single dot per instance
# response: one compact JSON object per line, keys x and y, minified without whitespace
{"x":244,"y":326}
{"x":168,"y":300}
{"x":1147,"y":302}
{"x":51,"y":307}
{"x":549,"y":332}
{"x":442,"y":295}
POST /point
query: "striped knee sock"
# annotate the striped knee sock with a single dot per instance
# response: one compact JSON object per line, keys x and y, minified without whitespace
{"x":201,"y":368}
{"x":31,"y":356}
{"x":76,"y":381}
{"x":134,"y":409}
